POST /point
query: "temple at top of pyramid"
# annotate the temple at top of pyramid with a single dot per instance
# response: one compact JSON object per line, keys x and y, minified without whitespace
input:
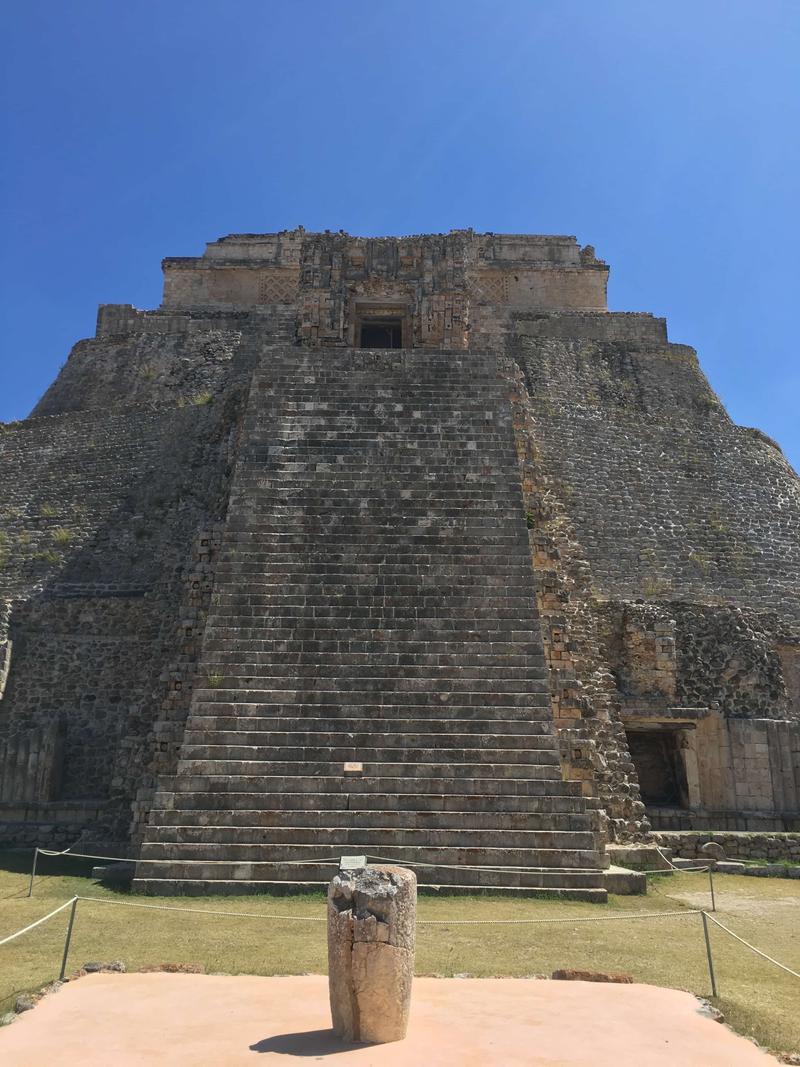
{"x":400,"y":546}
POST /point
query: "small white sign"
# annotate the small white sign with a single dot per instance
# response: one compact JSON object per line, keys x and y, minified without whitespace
{"x":352,"y":863}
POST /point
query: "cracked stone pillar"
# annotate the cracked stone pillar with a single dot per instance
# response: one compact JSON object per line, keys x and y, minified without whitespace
{"x":371,"y":934}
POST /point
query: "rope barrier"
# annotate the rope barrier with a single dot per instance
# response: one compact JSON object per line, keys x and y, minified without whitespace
{"x":310,"y":863}
{"x":573,"y":919}
{"x":466,"y":866}
{"x":420,"y":922}
{"x":680,"y":870}
{"x":753,"y":948}
{"x":671,"y":865}
{"x":208,"y":911}
{"x":131,"y":859}
{"x":32,"y":926}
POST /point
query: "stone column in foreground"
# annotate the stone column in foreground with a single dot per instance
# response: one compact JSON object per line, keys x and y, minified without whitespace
{"x":371,"y":936}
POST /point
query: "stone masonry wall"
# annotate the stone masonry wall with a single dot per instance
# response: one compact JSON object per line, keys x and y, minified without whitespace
{"x":583,"y":694}
{"x":670,"y":500}
{"x":737,"y":845}
{"x":156,"y":359}
{"x":666,"y":542}
{"x":99,"y":513}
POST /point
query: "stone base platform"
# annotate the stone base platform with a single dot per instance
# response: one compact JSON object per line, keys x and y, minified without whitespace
{"x":189,"y":1020}
{"x":624,"y":882}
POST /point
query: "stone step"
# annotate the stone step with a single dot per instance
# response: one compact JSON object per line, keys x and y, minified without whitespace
{"x":201,"y":887}
{"x":388,"y":573}
{"x":405,"y":637}
{"x":211,"y":702}
{"x":244,"y":842}
{"x":362,"y":608}
{"x":548,"y":817}
{"x":259,"y":857}
{"x":254,"y":627}
{"x":199,"y":756}
{"x":367,"y":740}
{"x":326,"y":493}
{"x":420,"y":599}
{"x":423,"y":769}
{"x":241,"y":663}
{"x":341,"y":478}
{"x":259,"y":511}
{"x":543,"y":796}
{"x":370,"y":557}
{"x":370,"y":564}
{"x":440,"y":520}
{"x":349,"y":416}
{"x":342,"y":683}
{"x":359,"y":424}
{"x":447,"y":539}
{"x":217,"y":650}
{"x":406,"y":641}
{"x":276,"y":729}
{"x":450,"y":538}
{"x":356,"y":423}
{"x":349,"y":495}
{"x":333,"y":617}
{"x":419,"y":609}
{"x":289,"y":584}
{"x":305,"y":453}
{"x":400,"y":436}
{"x":367,"y":698}
{"x":404,"y":780}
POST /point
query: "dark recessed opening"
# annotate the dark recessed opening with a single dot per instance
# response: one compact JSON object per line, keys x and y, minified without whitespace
{"x":658,"y":766}
{"x":382,"y":333}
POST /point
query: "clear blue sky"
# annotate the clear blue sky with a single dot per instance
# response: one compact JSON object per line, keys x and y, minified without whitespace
{"x":666,"y":134}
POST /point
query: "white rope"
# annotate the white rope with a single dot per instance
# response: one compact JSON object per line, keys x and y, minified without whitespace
{"x":311,"y":863}
{"x":131,"y":859}
{"x":86,"y":856}
{"x":208,"y":911}
{"x":420,"y":922}
{"x":680,"y":870}
{"x":672,"y":865}
{"x":752,"y":948}
{"x":573,"y":919}
{"x":44,"y":918}
{"x":469,"y":867}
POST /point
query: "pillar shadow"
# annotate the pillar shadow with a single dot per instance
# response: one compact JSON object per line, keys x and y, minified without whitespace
{"x":307,"y":1043}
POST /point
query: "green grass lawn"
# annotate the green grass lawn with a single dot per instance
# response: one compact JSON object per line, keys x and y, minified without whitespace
{"x":756,"y":998}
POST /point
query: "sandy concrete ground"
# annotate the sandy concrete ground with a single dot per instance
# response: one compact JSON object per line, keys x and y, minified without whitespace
{"x":199,"y":1020}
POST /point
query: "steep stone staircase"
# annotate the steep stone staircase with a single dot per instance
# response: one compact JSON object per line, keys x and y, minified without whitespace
{"x":374,"y":607}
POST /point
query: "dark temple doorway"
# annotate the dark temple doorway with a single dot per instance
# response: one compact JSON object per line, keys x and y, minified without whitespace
{"x":659,"y":767}
{"x":381,"y":333}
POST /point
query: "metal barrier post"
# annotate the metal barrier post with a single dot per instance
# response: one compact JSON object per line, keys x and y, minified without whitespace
{"x":711,"y":884}
{"x":708,"y":954}
{"x":68,"y":940}
{"x":33,"y":871}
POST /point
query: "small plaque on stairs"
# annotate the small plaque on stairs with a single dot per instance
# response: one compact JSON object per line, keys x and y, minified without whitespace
{"x":352,"y":863}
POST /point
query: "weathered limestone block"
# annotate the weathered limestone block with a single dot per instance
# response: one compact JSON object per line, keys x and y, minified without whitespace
{"x":371,"y":937}
{"x":713,"y":850}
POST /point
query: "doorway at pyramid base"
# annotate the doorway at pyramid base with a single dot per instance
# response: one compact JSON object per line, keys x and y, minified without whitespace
{"x":373,"y":677}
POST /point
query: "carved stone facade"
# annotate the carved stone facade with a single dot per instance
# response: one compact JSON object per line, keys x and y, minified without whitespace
{"x":431,"y":283}
{"x":664,"y":540}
